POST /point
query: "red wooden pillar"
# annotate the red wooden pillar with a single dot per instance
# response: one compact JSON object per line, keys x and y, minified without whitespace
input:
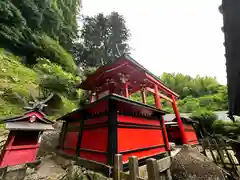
{"x":157,"y":98}
{"x":143,"y":94}
{"x":126,"y":93}
{"x":159,"y":106}
{"x":91,"y":98}
{"x":180,"y":123}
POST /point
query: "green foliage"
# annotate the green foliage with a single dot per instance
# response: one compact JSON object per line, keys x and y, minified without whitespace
{"x":55,"y":79}
{"x":38,"y":28}
{"x":16,"y":78}
{"x":205,"y":117}
{"x":188,"y":104}
{"x":203,"y":114}
{"x":195,"y":93}
{"x":101,"y":35}
{"x":41,"y":32}
{"x":227,"y":128}
{"x":198,"y":92}
{"x":50,"y":49}
{"x":188,"y":86}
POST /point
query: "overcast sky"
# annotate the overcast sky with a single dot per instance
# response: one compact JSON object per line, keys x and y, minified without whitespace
{"x":171,"y":35}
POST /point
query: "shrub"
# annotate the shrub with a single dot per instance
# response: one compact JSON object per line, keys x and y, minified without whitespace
{"x":55,"y":79}
{"x":51,"y":49}
{"x":205,"y":118}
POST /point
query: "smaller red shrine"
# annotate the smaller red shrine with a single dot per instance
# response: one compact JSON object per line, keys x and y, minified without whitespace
{"x":174,"y":134}
{"x":114,"y":124}
{"x":24,"y":138}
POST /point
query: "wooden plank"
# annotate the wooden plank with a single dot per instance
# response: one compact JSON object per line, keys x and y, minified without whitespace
{"x":89,"y":164}
{"x":152,"y":169}
{"x":211,"y":150}
{"x":220,"y":154}
{"x":168,"y":175}
{"x":164,"y":164}
{"x":118,"y":167}
{"x":125,"y":176}
{"x":133,"y":168}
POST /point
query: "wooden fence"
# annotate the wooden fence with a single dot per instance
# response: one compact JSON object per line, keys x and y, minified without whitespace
{"x":156,"y":170}
{"x":222,"y":154}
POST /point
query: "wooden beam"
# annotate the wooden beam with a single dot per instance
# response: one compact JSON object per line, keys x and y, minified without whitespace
{"x":160,"y":94}
{"x":89,"y":164}
{"x":161,"y":86}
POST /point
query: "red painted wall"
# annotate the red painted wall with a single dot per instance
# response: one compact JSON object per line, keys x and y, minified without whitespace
{"x":102,"y":158}
{"x":19,"y":156}
{"x":138,"y":120}
{"x":96,"y":120}
{"x":191,"y":134}
{"x":95,"y":139}
{"x":174,"y":134}
{"x":70,"y":151}
{"x":73,"y":124}
{"x":137,"y":138}
{"x":70,"y":140}
{"x":101,"y":106}
{"x":22,"y":148}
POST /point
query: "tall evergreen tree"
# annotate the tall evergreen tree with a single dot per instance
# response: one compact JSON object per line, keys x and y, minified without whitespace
{"x":103,"y":37}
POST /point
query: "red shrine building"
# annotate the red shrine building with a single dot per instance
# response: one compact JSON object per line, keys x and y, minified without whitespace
{"x":114,"y":124}
{"x":24,"y":137}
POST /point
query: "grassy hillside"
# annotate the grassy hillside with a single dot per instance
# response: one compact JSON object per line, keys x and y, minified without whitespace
{"x":15,"y":77}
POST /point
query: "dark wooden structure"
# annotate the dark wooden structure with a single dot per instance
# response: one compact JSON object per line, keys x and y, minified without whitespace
{"x":230,"y":10}
{"x":112,"y":123}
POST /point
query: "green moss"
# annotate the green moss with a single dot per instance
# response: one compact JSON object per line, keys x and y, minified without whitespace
{"x":14,"y":78}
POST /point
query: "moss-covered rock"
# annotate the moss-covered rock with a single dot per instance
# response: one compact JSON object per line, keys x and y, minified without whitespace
{"x":190,"y":164}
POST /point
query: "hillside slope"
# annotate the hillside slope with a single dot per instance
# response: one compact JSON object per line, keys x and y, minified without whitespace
{"x":18,"y":80}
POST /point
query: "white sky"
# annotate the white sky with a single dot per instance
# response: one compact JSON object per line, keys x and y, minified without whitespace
{"x":171,"y":35}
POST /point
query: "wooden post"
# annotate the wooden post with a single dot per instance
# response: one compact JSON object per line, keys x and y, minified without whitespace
{"x":118,"y":167}
{"x":179,"y":121}
{"x":143,"y":94}
{"x":164,"y":168}
{"x":126,"y":93}
{"x":168,"y":174}
{"x":157,"y":98}
{"x":152,"y":169}
{"x":165,"y":133}
{"x":133,"y":168}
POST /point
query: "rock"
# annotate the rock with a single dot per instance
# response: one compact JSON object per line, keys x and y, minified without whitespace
{"x":17,"y":172}
{"x":172,"y":145}
{"x":58,"y":126}
{"x":49,"y":141}
{"x":189,"y":164}
{"x":49,"y":168}
{"x":30,"y":171}
{"x":64,"y":163}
